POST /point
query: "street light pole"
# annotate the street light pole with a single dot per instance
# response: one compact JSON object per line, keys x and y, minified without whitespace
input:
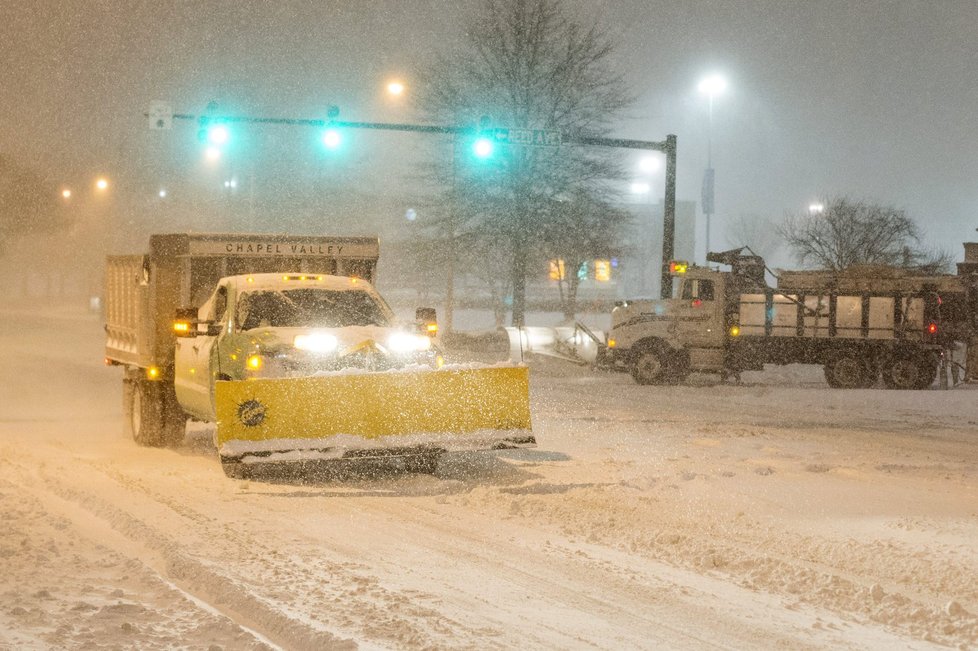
{"x":711,"y":86}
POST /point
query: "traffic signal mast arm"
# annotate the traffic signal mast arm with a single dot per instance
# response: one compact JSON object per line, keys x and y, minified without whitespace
{"x":517,"y":136}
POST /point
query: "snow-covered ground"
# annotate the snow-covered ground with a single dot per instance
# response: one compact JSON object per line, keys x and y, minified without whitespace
{"x":775,"y":514}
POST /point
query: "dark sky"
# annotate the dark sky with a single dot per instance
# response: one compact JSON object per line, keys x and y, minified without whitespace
{"x":864,"y":98}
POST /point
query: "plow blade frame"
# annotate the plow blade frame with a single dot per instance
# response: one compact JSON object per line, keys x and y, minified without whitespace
{"x":379,"y":409}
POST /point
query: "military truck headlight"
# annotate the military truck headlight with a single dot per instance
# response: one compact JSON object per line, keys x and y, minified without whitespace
{"x":404,"y":342}
{"x":316,"y":342}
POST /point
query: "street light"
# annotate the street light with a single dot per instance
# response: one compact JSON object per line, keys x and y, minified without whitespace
{"x":816,"y":208}
{"x":395,"y":88}
{"x":710,"y":86}
{"x":101,"y":184}
{"x":66,"y":193}
{"x":212,"y":154}
{"x":650,"y":164}
{"x":640,"y":187}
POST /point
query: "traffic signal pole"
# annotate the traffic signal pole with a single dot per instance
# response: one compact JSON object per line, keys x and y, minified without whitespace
{"x":549,"y":138}
{"x":668,"y":147}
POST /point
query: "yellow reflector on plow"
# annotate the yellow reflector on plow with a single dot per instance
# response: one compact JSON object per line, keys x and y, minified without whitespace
{"x":372,"y":405}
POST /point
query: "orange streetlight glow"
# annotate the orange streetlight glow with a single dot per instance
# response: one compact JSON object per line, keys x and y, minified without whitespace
{"x":66,"y":193}
{"x":395,"y":88}
{"x":102,"y":183}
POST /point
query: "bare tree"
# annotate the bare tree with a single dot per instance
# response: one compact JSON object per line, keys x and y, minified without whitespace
{"x":848,"y":232}
{"x":528,"y":65}
{"x":579,"y":229}
{"x":759,"y":233}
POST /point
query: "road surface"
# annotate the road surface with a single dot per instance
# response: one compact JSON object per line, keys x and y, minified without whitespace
{"x":774,"y":514}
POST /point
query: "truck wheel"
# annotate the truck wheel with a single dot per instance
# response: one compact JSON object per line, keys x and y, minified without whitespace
{"x":910,"y":372}
{"x":849,"y":373}
{"x":649,"y":367}
{"x":153,"y":417}
{"x":927,"y":365}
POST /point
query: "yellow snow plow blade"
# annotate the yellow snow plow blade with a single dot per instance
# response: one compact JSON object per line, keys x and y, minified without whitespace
{"x":449,"y":402}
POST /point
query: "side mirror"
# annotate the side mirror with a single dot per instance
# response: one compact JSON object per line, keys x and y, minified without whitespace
{"x":185,"y":322}
{"x":427,"y":319}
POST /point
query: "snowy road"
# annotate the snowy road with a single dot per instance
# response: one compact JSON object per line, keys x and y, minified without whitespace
{"x":778,"y":514}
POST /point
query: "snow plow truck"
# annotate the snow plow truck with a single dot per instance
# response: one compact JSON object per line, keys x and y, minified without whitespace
{"x":863,"y":324}
{"x":284,"y":343}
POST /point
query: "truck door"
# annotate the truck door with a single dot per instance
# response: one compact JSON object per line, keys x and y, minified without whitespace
{"x":699,"y":315}
{"x":194,"y":369}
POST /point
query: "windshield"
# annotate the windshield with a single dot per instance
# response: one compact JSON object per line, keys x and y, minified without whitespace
{"x":310,"y":307}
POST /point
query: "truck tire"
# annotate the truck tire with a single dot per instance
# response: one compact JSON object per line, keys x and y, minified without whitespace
{"x":928,"y":365}
{"x":153,"y":417}
{"x":849,"y":372}
{"x":910,"y":371}
{"x":650,"y":367}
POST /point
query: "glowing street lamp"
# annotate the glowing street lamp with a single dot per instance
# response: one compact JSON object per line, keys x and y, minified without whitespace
{"x":650,"y":164}
{"x":816,"y":208}
{"x":640,"y":187}
{"x":162,"y":193}
{"x":395,"y":88}
{"x":212,"y":154}
{"x":66,"y":193}
{"x":102,"y":184}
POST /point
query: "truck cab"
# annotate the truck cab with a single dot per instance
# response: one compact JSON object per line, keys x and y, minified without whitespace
{"x":289,"y":325}
{"x":664,"y":340}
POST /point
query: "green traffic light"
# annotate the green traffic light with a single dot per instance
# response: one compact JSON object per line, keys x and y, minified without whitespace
{"x":332,"y":139}
{"x":482,"y":148}
{"x":218,"y":135}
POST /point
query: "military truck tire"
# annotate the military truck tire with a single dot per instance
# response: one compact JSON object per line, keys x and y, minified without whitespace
{"x":650,"y":367}
{"x":849,"y":372}
{"x":153,"y":417}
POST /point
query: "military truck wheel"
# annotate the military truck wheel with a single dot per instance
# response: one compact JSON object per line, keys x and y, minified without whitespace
{"x":153,"y":417}
{"x":849,"y":372}
{"x":913,"y":371}
{"x":650,"y":367}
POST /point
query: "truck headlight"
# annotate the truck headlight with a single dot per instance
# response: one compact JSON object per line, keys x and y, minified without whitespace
{"x":316,"y":342}
{"x":403,"y":342}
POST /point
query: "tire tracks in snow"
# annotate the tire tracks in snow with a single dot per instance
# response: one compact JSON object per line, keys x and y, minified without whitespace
{"x":357,"y":605}
{"x":132,"y":537}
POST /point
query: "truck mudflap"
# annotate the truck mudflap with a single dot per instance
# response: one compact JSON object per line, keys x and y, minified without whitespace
{"x":367,"y":414}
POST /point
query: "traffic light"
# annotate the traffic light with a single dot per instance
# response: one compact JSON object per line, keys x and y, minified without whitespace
{"x":332,"y":138}
{"x":482,"y":147}
{"x":218,"y":135}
